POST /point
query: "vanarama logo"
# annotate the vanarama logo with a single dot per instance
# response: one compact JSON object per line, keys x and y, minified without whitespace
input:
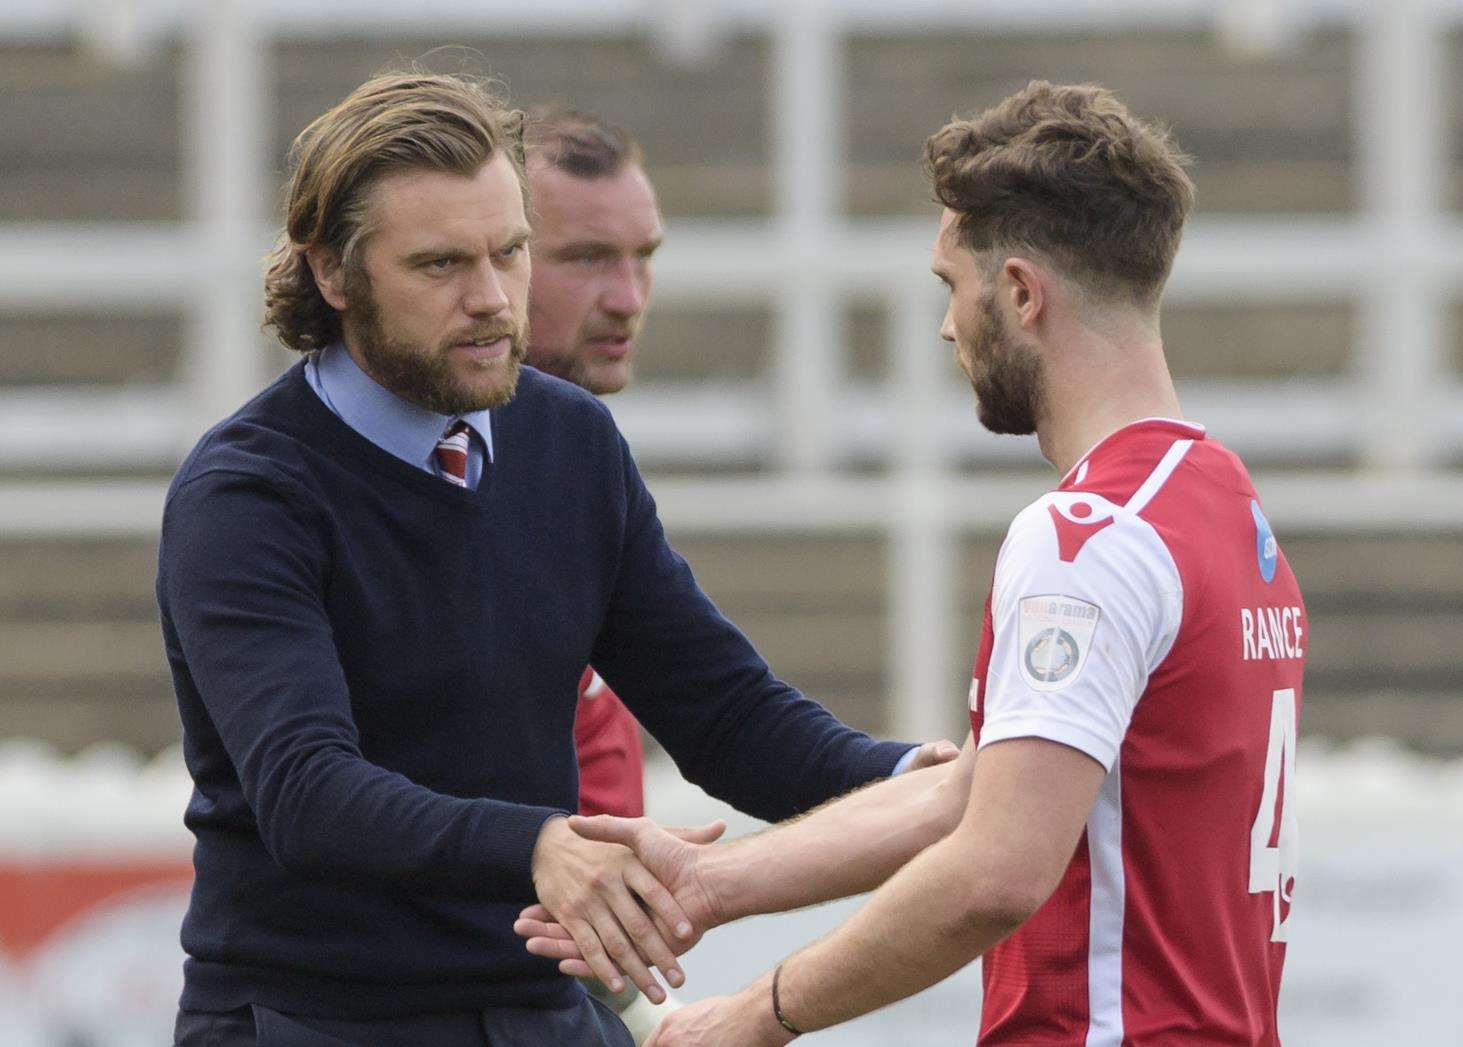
{"x":1065,"y":608}
{"x":1055,"y":634}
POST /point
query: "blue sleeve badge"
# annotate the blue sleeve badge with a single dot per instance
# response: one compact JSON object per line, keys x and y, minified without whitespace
{"x":1267,"y":551}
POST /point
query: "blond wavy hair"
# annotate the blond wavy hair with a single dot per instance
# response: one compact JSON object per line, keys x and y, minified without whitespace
{"x":393,"y":122}
{"x":1069,"y":172}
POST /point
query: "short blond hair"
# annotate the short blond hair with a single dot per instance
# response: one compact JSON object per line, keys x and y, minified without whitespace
{"x":393,"y":122}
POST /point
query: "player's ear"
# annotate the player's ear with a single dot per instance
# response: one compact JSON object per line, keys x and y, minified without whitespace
{"x":1027,"y":286}
{"x":329,"y":275}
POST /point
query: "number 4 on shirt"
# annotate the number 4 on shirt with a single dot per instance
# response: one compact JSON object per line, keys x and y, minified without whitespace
{"x":1274,"y":843}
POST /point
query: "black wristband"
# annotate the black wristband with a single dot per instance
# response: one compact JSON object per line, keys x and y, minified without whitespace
{"x":777,"y":1005}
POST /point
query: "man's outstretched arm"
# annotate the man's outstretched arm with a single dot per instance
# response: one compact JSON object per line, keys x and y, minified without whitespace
{"x":845,"y":847}
{"x":1029,"y":800}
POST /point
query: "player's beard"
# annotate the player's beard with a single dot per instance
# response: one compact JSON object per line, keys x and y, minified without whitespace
{"x":573,"y":365}
{"x":567,"y":365}
{"x":425,"y":376}
{"x":1005,"y":374}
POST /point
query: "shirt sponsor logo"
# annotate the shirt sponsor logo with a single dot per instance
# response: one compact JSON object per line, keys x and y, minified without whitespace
{"x":1055,"y":634}
{"x":1267,"y":550}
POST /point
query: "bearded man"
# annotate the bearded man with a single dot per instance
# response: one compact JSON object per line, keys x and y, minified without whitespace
{"x":380,"y":582}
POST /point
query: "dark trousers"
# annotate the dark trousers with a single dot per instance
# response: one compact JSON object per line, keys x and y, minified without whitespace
{"x":587,"y":1023}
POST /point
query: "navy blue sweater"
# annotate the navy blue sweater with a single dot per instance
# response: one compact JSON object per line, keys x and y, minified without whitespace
{"x":377,"y":674}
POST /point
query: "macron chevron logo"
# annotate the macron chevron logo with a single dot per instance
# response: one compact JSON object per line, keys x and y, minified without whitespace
{"x":1077,"y":521}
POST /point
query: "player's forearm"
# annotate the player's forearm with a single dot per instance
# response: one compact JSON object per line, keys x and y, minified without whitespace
{"x":845,"y":847}
{"x":1029,"y":801}
{"x":928,"y":921}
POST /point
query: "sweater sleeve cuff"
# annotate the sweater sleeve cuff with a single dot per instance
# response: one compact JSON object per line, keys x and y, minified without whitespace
{"x":503,"y":850}
{"x":905,"y":761}
{"x":883,"y":760}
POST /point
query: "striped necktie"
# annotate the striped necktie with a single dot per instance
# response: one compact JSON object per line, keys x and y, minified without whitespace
{"x":451,"y":454}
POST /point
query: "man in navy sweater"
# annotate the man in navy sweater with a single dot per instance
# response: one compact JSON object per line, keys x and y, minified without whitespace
{"x":376,"y":640}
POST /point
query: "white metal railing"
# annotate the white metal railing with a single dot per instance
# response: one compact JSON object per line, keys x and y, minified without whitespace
{"x":734,"y":423}
{"x":983,"y":503}
{"x":146,"y":266}
{"x":153,"y":267}
{"x":1400,"y":259}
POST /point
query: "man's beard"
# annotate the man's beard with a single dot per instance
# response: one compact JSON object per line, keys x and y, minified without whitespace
{"x":425,"y":377}
{"x":569,"y":366}
{"x":1008,"y":390}
{"x":573,"y":364}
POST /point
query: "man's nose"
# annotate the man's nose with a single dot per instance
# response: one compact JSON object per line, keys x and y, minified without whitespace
{"x":485,"y":294}
{"x":626,"y":292}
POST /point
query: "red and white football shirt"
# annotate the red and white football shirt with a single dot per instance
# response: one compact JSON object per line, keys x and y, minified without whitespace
{"x":1143,"y":614}
{"x":611,"y":758}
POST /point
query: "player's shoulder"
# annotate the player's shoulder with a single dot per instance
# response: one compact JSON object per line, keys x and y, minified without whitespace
{"x":1083,"y":531}
{"x":1125,"y":507}
{"x":1073,"y":558}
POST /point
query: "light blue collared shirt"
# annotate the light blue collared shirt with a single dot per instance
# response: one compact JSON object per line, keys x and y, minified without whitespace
{"x":391,"y":423}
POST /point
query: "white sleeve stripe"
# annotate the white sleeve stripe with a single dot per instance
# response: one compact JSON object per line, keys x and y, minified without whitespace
{"x":1156,"y":479}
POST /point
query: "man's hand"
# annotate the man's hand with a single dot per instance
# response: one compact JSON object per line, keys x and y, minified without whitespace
{"x":595,"y":891}
{"x":745,"y":1019}
{"x":932,"y":754}
{"x":670,"y":857}
{"x":605,"y":909}
{"x":671,"y":854}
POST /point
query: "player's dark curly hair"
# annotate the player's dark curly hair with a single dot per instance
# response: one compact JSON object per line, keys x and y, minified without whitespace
{"x":393,"y":122}
{"x":1068,"y":172}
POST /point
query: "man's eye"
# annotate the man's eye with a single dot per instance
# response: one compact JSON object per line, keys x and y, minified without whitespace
{"x":439,"y":264}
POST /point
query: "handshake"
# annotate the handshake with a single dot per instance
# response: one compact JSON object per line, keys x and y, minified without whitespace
{"x":618,"y":896}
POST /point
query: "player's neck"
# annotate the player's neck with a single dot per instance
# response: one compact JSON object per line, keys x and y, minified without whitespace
{"x":1099,"y":385}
